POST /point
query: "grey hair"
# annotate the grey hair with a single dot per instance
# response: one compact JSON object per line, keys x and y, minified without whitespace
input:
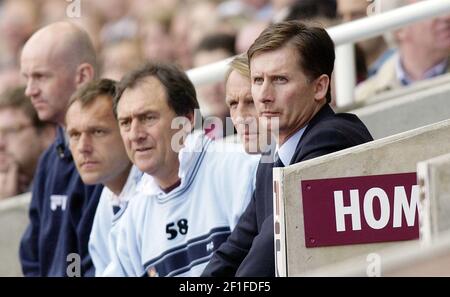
{"x":381,"y":6}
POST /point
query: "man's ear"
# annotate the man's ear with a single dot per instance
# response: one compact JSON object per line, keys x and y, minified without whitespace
{"x":85,"y":73}
{"x":321,"y":85}
{"x":191,"y":118}
{"x":401,"y":34}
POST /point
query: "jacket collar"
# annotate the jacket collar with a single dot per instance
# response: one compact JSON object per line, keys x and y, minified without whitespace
{"x":325,"y":112}
{"x":61,"y":147}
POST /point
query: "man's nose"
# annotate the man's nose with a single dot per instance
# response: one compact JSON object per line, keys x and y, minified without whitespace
{"x":31,"y":89}
{"x":84,"y":144}
{"x":136,"y":131}
{"x":265,"y":93}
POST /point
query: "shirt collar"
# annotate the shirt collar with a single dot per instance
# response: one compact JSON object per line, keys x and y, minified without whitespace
{"x":133,"y":179}
{"x":287,"y":150}
{"x":406,"y":80}
{"x":373,"y":69}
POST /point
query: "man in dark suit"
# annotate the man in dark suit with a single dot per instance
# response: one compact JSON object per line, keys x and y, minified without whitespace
{"x":291,"y":66}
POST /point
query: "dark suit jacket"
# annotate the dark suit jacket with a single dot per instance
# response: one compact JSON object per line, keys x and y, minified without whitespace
{"x":249,"y":250}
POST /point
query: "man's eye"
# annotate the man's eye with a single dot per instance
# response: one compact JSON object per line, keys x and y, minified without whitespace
{"x":38,"y":76}
{"x":281,"y":79}
{"x":148,"y":119}
{"x":99,"y":132}
{"x":258,"y":80}
{"x":232,"y":104}
{"x":124,"y":124}
{"x":74,"y":135}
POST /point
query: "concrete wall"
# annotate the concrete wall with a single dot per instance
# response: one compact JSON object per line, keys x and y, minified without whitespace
{"x":434,"y":178}
{"x":396,"y":154}
{"x":409,"y":260}
{"x":402,"y":110}
{"x":13,"y":221}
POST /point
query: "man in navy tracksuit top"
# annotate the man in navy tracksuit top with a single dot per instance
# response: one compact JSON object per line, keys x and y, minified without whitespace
{"x":55,"y":61}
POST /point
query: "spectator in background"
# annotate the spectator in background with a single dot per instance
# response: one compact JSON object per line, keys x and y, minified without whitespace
{"x":19,"y":19}
{"x":155,"y":9}
{"x":423,"y":53}
{"x":350,"y":10}
{"x":362,"y":72}
{"x":214,"y":48}
{"x":203,"y":21}
{"x":247,"y":35}
{"x":179,"y":33}
{"x":290,"y":65}
{"x":100,"y":158}
{"x":53,"y":11}
{"x":321,"y":11}
{"x":9,"y":78}
{"x":194,"y":189}
{"x":280,"y":9}
{"x":262,"y":8}
{"x":120,"y":57}
{"x":375,"y":49}
{"x":23,"y":137}
{"x":156,"y":42}
{"x":117,"y":22}
{"x":258,"y":10}
{"x":90,"y":18}
{"x":55,"y":61}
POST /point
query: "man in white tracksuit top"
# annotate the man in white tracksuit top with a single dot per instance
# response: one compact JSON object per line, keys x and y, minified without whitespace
{"x":175,"y":234}
{"x":110,"y":208}
{"x":100,"y":157}
{"x":189,"y":199}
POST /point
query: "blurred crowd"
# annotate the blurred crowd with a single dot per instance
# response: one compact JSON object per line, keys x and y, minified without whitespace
{"x":193,"y":33}
{"x":189,"y":32}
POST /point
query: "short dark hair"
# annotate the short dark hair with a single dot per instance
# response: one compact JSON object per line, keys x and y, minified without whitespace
{"x":180,"y":91}
{"x":217,"y":41}
{"x":311,"y":9}
{"x":314,"y":46}
{"x":16,"y":98}
{"x":87,"y":93}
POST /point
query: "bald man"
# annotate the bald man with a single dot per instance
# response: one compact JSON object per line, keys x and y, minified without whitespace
{"x":55,"y":61}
